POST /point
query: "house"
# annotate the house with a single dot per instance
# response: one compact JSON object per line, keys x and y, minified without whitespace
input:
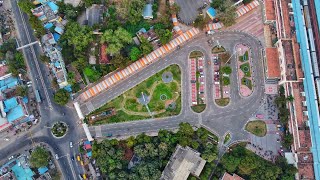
{"x":227,"y":176}
{"x":211,"y":12}
{"x":183,"y":162}
{"x":103,"y":55}
{"x":46,"y":12}
{"x":147,"y":12}
{"x":57,"y":65}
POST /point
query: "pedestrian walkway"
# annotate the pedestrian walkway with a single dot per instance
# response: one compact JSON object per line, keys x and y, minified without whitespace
{"x":117,"y":76}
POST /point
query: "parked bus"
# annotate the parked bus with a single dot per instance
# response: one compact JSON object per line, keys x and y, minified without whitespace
{"x":38,"y":96}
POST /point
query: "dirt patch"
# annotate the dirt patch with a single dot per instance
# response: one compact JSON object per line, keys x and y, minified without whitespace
{"x":162,"y":7}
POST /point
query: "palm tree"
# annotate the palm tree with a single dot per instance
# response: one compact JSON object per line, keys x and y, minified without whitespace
{"x":290,"y":98}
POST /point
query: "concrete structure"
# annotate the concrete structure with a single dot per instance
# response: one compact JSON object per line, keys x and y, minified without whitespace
{"x":183,"y":162}
{"x":147,"y":12}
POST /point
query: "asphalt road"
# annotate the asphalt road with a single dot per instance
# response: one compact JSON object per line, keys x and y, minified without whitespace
{"x":218,"y":120}
{"x":50,"y":112}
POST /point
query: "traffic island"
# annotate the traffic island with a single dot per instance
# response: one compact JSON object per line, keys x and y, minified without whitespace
{"x":197,"y":77}
{"x":221,"y":75}
{"x":257,"y":127}
{"x":244,"y":70}
{"x":227,"y":138}
{"x":59,"y":129}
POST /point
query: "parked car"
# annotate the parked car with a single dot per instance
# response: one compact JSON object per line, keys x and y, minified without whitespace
{"x":56,"y":156}
{"x":71,"y":145}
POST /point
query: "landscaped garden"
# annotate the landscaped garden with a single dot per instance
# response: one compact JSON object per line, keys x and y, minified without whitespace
{"x":257,"y":127}
{"x":196,"y":54}
{"x":198,"y":108}
{"x":59,"y":129}
{"x":161,"y":94}
{"x":245,"y":68}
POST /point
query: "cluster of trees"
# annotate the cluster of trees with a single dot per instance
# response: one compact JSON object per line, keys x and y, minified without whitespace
{"x":281,"y":101}
{"x":39,"y":157}
{"x":250,"y":166}
{"x":116,"y":40}
{"x":113,"y":156}
{"x":92,"y":74}
{"x":61,"y":97}
{"x":26,"y":6}
{"x":130,"y":10}
{"x":14,"y":59}
{"x":226,"y":12}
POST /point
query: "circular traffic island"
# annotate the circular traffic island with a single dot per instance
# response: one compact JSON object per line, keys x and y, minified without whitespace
{"x":59,"y":129}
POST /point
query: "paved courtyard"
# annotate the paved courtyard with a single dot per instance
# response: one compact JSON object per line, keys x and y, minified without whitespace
{"x":189,"y":10}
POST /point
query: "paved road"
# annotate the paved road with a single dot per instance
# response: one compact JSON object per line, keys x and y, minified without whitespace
{"x":50,"y":112}
{"x":219,"y":120}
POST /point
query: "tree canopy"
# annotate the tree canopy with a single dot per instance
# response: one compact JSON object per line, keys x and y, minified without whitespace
{"x":165,"y":35}
{"x":130,"y":10}
{"x":145,"y":46}
{"x":113,"y":156}
{"x":135,"y":53}
{"x":78,"y":36}
{"x":116,"y":39}
{"x":226,"y":70}
{"x":61,"y":97}
{"x":92,"y":74}
{"x":39,"y":157}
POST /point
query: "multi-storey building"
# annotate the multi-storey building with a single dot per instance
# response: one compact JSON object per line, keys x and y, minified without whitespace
{"x":292,"y":72}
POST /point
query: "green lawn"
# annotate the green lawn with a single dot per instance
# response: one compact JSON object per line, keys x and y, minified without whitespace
{"x":222,"y":101}
{"x":245,"y":57}
{"x":128,"y":108}
{"x":257,"y":127}
{"x":247,"y":82}
{"x":198,"y":108}
{"x":246,"y":69}
{"x":227,"y":138}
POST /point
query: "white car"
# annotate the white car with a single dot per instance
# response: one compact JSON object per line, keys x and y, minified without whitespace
{"x":56,"y":156}
{"x":71,"y":145}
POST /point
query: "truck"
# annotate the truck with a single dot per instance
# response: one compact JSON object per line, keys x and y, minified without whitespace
{"x":38,"y":99}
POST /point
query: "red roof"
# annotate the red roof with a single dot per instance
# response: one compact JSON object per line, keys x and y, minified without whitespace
{"x":3,"y":70}
{"x":227,"y":176}
{"x":273,"y":67}
{"x":269,"y":10}
{"x":103,"y":55}
{"x":87,"y":146}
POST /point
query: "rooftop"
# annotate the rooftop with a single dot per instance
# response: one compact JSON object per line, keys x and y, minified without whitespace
{"x":290,"y":61}
{"x":269,"y":10}
{"x":8,"y":82}
{"x":147,"y":11}
{"x":227,"y":176}
{"x":3,"y":70}
{"x":211,"y":12}
{"x":183,"y":162}
{"x":273,"y":67}
{"x":103,"y":55}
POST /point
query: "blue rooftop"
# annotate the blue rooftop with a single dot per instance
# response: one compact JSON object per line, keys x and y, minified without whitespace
{"x":10,"y":103}
{"x":22,"y":173}
{"x":15,"y":113}
{"x":68,"y":88}
{"x":211,"y":12}
{"x":309,"y":86}
{"x":58,"y":30}
{"x":42,"y":170}
{"x":89,"y":154}
{"x":56,"y":36}
{"x":147,"y":12}
{"x":48,"y":25}
{"x":8,"y":83}
{"x":317,"y":7}
{"x":53,"y":6}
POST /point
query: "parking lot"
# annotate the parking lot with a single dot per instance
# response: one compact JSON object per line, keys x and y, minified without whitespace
{"x":189,"y":10}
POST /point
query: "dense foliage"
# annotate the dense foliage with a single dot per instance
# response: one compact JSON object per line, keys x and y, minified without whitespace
{"x":116,"y":40}
{"x":113,"y":156}
{"x":250,"y":166}
{"x":61,"y":97}
{"x":39,"y":157}
{"x":226,"y":11}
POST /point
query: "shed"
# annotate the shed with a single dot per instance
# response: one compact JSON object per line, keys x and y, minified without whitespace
{"x":211,"y":12}
{"x":42,"y":170}
{"x":147,"y":12}
{"x":56,"y":36}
